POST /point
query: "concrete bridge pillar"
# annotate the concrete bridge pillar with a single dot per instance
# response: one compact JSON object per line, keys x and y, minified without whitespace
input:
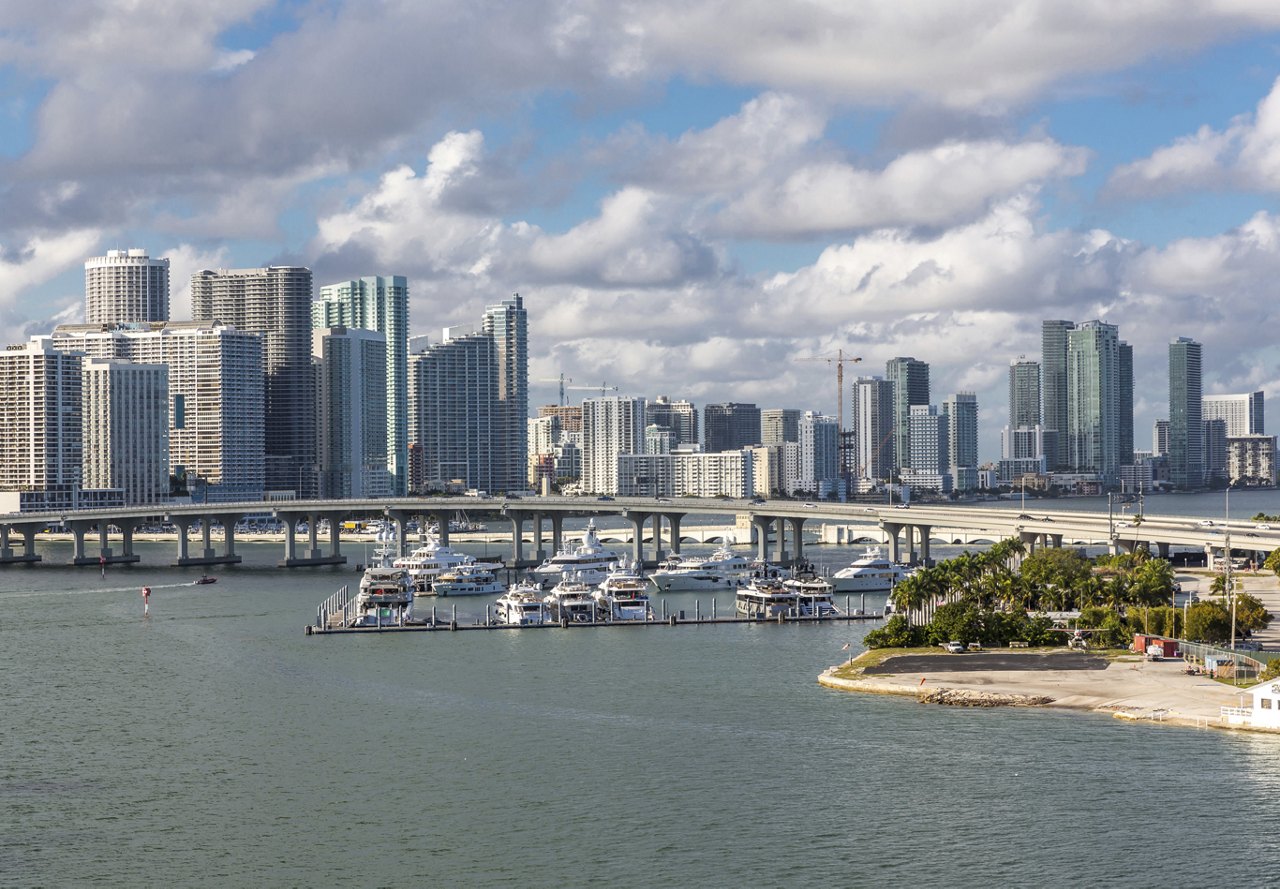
{"x":1163,"y":549}
{"x":780,"y":534}
{"x":673,"y":523}
{"x":539,"y":553}
{"x":335,"y":536}
{"x":891,"y":531}
{"x":400,"y":519}
{"x":797,"y":535}
{"x":206,"y":531}
{"x":557,"y":532}
{"x":637,"y":536}
{"x":78,"y":530}
{"x":924,"y":542}
{"x":442,"y":526}
{"x":1056,"y":540}
{"x":1030,"y":539}
{"x":517,"y":537}
{"x":290,"y":544}
{"x":313,"y":535}
{"x":183,"y":524}
{"x":762,"y":536}
{"x":29,"y":543}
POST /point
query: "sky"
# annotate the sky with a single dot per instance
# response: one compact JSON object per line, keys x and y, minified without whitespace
{"x":703,"y":199}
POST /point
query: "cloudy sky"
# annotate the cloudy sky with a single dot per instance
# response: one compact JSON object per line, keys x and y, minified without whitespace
{"x":700,"y":198}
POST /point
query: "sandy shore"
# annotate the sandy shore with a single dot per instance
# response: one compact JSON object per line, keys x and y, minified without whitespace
{"x":1128,"y":688}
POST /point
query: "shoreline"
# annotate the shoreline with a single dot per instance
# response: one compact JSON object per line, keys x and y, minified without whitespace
{"x":1128,"y":688}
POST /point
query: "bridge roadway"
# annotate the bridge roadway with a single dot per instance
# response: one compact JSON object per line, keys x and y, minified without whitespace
{"x":784,"y":518}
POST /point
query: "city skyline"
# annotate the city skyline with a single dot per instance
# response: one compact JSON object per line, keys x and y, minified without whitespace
{"x":696,"y":203}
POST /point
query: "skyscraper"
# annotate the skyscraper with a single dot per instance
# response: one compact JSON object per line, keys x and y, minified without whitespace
{"x":1243,"y":413}
{"x":873,"y":428}
{"x":961,"y":410}
{"x":819,"y":454}
{"x":216,"y":396}
{"x":1024,"y":394}
{"x":126,"y":287}
{"x":381,"y":304}
{"x":275,"y":303}
{"x":1094,"y":402}
{"x":1053,"y":367}
{"x":730,"y":426}
{"x":40,"y":404}
{"x":506,"y":323}
{"x":1186,"y":428}
{"x":352,"y":444}
{"x":611,"y":425}
{"x":126,"y":428}
{"x":681,"y":417}
{"x":778,"y":425}
{"x":910,"y":379}
{"x":454,"y":413}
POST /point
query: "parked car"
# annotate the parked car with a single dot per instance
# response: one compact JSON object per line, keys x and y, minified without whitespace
{"x":955,"y":647}
{"x":1263,"y":527}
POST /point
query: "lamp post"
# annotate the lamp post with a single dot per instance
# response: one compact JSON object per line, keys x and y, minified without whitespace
{"x":1230,"y":591}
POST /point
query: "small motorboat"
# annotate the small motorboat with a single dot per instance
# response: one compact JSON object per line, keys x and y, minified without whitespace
{"x":204,"y":578}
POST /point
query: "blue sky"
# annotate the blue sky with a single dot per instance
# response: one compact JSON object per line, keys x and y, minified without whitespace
{"x":694,"y":198}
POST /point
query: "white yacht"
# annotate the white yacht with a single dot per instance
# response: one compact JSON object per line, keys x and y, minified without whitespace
{"x":767,"y":599}
{"x":522,"y":605}
{"x":386,"y":594}
{"x":432,"y":559}
{"x":467,"y":580}
{"x":589,"y":561}
{"x":870,"y":573}
{"x":814,"y":596}
{"x":571,"y":600}
{"x":623,"y":595}
{"x":723,"y":569}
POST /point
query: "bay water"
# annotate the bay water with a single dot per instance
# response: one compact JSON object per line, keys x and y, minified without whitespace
{"x":212,"y":743}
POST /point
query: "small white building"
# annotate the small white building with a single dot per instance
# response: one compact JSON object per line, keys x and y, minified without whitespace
{"x":1263,"y":712}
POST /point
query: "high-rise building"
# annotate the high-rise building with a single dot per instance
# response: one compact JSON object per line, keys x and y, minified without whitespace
{"x":1243,"y":413}
{"x":961,"y":411}
{"x":1024,"y":394}
{"x":126,"y":287}
{"x":568,"y":415}
{"x":930,"y":446}
{"x":1215,"y":451}
{"x":275,"y":303}
{"x":1251,"y":460}
{"x":216,"y":395}
{"x":507,"y":324}
{"x":454,"y":413}
{"x":40,"y":405}
{"x":125,"y":428}
{"x":1160,"y":438}
{"x":819,"y":453}
{"x":351,"y":442}
{"x":910,"y":379}
{"x":611,"y":425}
{"x":1186,"y":428}
{"x":778,"y":425}
{"x":381,"y":304}
{"x":1094,"y":379}
{"x":1126,"y":404}
{"x":730,"y":427}
{"x":681,"y":417}
{"x":1053,"y":375}
{"x":873,"y":428}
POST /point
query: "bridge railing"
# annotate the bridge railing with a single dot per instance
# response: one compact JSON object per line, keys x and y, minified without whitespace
{"x":340,"y":603}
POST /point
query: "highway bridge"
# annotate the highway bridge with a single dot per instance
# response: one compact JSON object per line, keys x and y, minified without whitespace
{"x":779,"y":526}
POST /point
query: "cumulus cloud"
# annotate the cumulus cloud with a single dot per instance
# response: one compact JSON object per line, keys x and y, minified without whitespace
{"x":1244,"y":155}
{"x":939,"y":186}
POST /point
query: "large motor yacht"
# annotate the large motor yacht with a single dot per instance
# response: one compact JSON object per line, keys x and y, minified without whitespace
{"x":623,"y":595}
{"x":870,"y":573}
{"x":589,"y":561}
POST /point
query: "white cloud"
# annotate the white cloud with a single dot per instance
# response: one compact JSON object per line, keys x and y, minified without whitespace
{"x":184,"y":261}
{"x":939,"y":186}
{"x":1245,"y":155}
{"x":37,"y":261}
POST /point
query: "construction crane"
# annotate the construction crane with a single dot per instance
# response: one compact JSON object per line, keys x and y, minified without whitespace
{"x":839,"y":361}
{"x":562,"y":379}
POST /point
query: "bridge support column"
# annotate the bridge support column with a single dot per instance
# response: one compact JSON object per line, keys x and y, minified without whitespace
{"x":442,"y":526}
{"x":891,"y":534}
{"x":28,"y":533}
{"x":335,"y":536}
{"x":673,"y":522}
{"x":539,"y":551}
{"x":797,"y":535}
{"x":1163,"y":549}
{"x":1029,"y":539}
{"x":517,"y":537}
{"x":1056,"y":540}
{"x":762,"y":536}
{"x":637,"y":537}
{"x":290,"y":543}
{"x":911,"y":544}
{"x":557,"y":532}
{"x":77,"y":542}
{"x":780,"y":534}
{"x":924,"y":543}
{"x":206,"y":531}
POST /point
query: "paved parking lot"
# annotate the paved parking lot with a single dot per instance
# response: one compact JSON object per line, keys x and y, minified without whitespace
{"x":972,"y":662}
